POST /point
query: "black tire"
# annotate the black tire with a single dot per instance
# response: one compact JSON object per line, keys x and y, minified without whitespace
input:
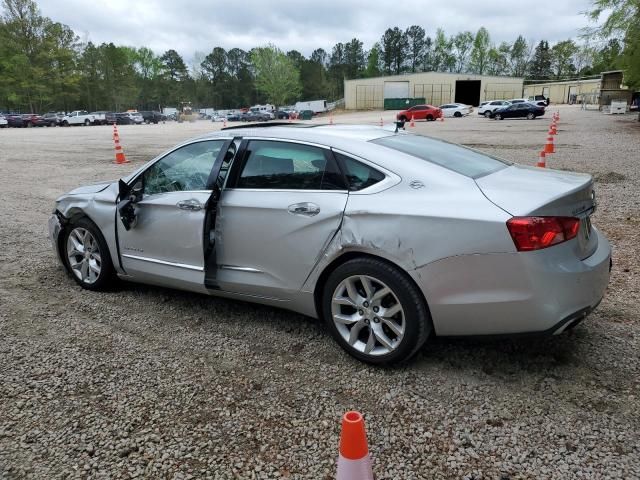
{"x":87,"y":122}
{"x":499,"y":117}
{"x":531,"y":116}
{"x":403,"y":118}
{"x":487,"y":114}
{"x":65,"y":123}
{"x":457,"y":114}
{"x":417,"y":320}
{"x":107,"y":275}
{"x":430,"y":118}
{"x":29,"y":125}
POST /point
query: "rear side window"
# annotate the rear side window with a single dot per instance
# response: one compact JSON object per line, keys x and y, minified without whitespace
{"x":448,"y":155}
{"x":281,"y":165}
{"x":358,"y":175}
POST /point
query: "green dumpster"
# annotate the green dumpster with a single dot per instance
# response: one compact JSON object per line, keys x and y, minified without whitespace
{"x":305,"y":114}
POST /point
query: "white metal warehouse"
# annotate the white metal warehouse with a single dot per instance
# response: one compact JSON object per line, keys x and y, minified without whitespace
{"x":435,"y":87}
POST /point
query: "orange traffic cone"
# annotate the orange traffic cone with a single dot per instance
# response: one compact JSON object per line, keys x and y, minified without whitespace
{"x":412,"y":124}
{"x":542,"y":161}
{"x":354,"y":462}
{"x":224,"y":123}
{"x":115,"y":131}
{"x":381,"y":122}
{"x":552,"y":130}
{"x":120,"y":158}
{"x":442,"y":118}
{"x":549,"y":147}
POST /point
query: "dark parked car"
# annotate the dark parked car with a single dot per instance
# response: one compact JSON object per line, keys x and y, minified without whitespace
{"x":52,"y":118}
{"x":255,"y":117}
{"x":234,"y":117}
{"x":153,"y":117}
{"x":110,"y":118}
{"x":281,"y":115}
{"x":524,"y":109}
{"x":124,"y":119}
{"x":14,"y":120}
{"x":34,"y":120}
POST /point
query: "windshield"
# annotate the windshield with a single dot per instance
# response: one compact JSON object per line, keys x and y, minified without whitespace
{"x":448,"y":155}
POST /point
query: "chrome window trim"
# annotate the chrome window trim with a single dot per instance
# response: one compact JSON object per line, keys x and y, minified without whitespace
{"x":286,"y":140}
{"x":164,"y":262}
{"x":240,"y":269}
{"x":156,"y":195}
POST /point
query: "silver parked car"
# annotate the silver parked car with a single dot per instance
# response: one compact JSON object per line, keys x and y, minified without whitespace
{"x":389,"y":237}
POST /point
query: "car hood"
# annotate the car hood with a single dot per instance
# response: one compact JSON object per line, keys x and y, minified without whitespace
{"x":93,"y":188}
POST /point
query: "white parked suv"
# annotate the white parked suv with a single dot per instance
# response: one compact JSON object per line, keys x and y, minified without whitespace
{"x":77,"y":117}
{"x":488,"y":107}
{"x":3,"y":122}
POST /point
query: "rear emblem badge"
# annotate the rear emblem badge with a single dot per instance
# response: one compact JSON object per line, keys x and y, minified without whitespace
{"x":416,"y":184}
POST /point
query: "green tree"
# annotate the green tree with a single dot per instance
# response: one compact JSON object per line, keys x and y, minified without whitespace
{"x":519,"y":57}
{"x":353,"y":58}
{"x":394,"y":44}
{"x":480,"y":51}
{"x":373,"y":62}
{"x":540,"y":65}
{"x":622,"y":21}
{"x":462,"y":44}
{"x":276,"y":76}
{"x":562,"y":57}
{"x":416,"y":42}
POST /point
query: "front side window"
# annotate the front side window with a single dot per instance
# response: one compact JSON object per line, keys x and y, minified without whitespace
{"x":281,"y":165}
{"x":184,"y":169}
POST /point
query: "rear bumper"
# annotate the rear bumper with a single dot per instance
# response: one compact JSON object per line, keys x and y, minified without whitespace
{"x":545,"y":291}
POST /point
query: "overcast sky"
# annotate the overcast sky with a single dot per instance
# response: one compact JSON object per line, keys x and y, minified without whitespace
{"x":199,"y":25}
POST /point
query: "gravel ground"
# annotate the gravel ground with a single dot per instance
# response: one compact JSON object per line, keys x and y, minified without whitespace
{"x":155,"y":383}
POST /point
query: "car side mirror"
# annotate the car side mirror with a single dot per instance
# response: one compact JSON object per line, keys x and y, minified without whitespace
{"x":129,"y":195}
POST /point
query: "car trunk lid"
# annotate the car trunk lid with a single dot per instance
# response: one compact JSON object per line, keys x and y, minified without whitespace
{"x":530,"y":191}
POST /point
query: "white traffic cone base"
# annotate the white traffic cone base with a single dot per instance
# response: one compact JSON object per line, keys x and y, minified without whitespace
{"x":354,"y":469}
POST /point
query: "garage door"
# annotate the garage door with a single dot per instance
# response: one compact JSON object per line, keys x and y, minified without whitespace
{"x":396,"y":89}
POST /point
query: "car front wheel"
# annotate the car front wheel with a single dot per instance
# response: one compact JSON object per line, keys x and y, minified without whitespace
{"x":487,"y":114}
{"x":375,"y":312}
{"x":87,"y":255}
{"x":498,"y":116}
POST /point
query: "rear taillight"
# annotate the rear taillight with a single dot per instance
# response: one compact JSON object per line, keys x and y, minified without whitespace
{"x":535,"y":233}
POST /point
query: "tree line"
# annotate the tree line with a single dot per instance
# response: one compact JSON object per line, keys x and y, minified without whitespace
{"x":44,"y":65}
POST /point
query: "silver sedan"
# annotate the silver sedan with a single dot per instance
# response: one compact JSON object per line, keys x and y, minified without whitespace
{"x":389,"y":237}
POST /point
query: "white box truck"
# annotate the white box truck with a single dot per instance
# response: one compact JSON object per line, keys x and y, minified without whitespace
{"x":316,"y":106}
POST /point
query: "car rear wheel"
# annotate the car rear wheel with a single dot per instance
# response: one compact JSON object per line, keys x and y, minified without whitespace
{"x":87,"y":255}
{"x":457,"y":114}
{"x":86,"y":122}
{"x":498,"y":116}
{"x":531,"y":116}
{"x":429,"y":118}
{"x":375,"y":312}
{"x":65,"y":123}
{"x":487,"y":114}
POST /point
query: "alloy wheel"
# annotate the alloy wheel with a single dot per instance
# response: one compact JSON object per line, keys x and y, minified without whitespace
{"x":84,"y":255}
{"x":368,"y":315}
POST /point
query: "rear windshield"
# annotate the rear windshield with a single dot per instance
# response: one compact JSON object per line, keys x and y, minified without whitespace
{"x":448,"y":155}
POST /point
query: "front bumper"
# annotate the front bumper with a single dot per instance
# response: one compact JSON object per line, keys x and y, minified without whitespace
{"x":544,"y":291}
{"x":55,"y":228}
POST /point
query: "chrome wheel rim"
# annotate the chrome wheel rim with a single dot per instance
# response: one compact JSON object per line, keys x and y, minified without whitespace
{"x":368,"y":315}
{"x":84,"y":256}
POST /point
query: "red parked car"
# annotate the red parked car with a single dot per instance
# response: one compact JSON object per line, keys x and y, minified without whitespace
{"x":34,"y":120}
{"x":420,"y":112}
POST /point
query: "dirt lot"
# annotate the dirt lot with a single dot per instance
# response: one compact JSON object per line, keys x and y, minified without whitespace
{"x":148,"y":382}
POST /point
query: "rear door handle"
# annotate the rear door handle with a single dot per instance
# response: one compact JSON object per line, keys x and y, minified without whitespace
{"x":306,"y":209}
{"x":192,"y":204}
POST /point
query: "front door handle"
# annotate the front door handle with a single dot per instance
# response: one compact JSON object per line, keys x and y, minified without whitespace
{"x":306,"y":209}
{"x":192,"y":204}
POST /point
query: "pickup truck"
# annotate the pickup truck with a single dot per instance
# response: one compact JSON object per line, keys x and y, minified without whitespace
{"x":100,"y":117}
{"x":77,"y":117}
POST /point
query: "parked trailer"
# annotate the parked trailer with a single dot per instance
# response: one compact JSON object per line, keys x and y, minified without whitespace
{"x":316,"y":106}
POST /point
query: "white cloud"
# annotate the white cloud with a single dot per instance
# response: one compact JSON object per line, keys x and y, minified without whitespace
{"x":199,"y":25}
